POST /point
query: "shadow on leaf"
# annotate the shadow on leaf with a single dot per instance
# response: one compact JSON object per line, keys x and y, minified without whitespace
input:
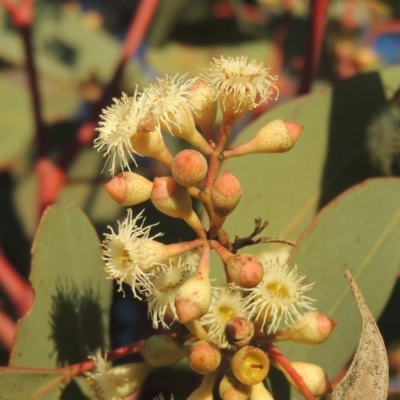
{"x":76,"y":323}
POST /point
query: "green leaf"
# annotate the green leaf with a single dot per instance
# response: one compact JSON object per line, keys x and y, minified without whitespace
{"x":69,"y":318}
{"x":15,"y":123}
{"x":360,"y":232}
{"x":289,"y":188}
{"x":18,"y":383}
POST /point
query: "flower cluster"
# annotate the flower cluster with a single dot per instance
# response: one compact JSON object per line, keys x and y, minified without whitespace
{"x":240,"y":320}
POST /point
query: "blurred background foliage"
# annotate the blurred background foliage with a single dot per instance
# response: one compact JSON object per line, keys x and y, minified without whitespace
{"x":76,"y":50}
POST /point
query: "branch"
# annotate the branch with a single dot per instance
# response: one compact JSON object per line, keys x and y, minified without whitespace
{"x":136,"y":32}
{"x":285,"y":364}
{"x":251,"y":239}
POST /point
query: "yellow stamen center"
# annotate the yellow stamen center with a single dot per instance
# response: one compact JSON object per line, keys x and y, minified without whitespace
{"x":226,"y":313}
{"x":277,"y":290}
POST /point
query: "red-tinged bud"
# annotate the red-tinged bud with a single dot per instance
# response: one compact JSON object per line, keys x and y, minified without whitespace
{"x":277,"y":136}
{"x":250,"y":365}
{"x":313,"y":376}
{"x":174,"y":200}
{"x":182,"y":124}
{"x":225,"y":196}
{"x":260,"y":392}
{"x":193,"y":298}
{"x":189,"y":168}
{"x":231,"y":388}
{"x":239,"y":331}
{"x":151,"y":144}
{"x":128,"y":188}
{"x":312,"y":328}
{"x":162,"y":350}
{"x":204,"y":97}
{"x":204,"y":357}
{"x":245,"y":270}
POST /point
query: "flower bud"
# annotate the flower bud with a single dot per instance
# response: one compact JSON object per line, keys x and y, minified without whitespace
{"x":174,"y":200}
{"x":260,"y":392}
{"x":239,"y":331}
{"x":193,"y":298}
{"x":162,"y":350}
{"x":225,"y":194}
{"x":313,"y":376}
{"x":205,"y":390}
{"x":250,"y":365}
{"x":204,"y":97}
{"x":151,"y":144}
{"x":189,"y":168}
{"x":277,"y":136}
{"x":204,"y":357}
{"x":128,"y":188}
{"x":245,"y":270}
{"x":182,"y":124}
{"x":312,"y":328}
{"x":232,"y":389}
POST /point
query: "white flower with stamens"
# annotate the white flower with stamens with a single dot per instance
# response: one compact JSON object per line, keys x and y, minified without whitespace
{"x":131,"y":255}
{"x":115,"y":383}
{"x":281,"y":294}
{"x":250,"y":83}
{"x":383,"y":139}
{"x":119,"y":123}
{"x":167,"y":100}
{"x":166,"y":281}
{"x":103,"y":385}
{"x":226,"y":303}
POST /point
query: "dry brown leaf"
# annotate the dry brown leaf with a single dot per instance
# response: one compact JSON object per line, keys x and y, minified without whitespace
{"x":368,"y":375}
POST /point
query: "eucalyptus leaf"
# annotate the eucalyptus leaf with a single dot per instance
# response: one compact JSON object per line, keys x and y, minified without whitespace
{"x":24,"y":383}
{"x":358,"y":231}
{"x":70,"y":316}
{"x":368,"y":375}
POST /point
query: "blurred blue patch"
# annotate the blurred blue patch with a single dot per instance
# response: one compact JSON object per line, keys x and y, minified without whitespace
{"x":125,"y":312}
{"x":388,"y":48}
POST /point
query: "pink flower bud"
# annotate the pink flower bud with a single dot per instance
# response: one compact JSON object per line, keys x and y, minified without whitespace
{"x":231,"y":388}
{"x":277,"y":136}
{"x":128,"y":188}
{"x":193,"y":298}
{"x":204,"y":357}
{"x":189,"y":168}
{"x":174,"y":200}
{"x":245,"y":270}
{"x":239,"y":331}
{"x":161,"y":350}
{"x":312,"y":328}
{"x":250,"y":365}
{"x":313,"y":376}
{"x":225,"y":194}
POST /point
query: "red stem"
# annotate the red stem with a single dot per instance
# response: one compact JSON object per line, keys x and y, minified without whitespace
{"x":314,"y":40}
{"x":136,"y":32}
{"x":285,"y":364}
{"x":17,"y":289}
{"x":7,"y":330}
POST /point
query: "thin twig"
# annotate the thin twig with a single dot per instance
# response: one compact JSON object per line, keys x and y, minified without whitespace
{"x":252,"y":239}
